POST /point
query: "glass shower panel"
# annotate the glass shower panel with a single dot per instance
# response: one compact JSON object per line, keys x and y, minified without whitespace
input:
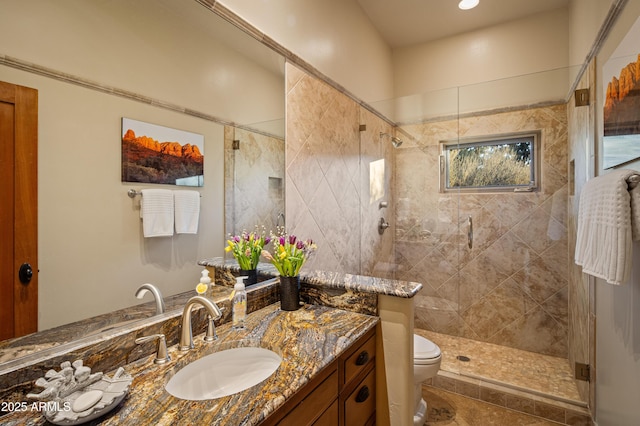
{"x":513,"y":284}
{"x":425,"y":221}
{"x":513,"y":279}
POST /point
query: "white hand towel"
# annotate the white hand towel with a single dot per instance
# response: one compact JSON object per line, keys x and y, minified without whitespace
{"x":156,"y":211}
{"x":605,"y":222}
{"x":187,"y":206}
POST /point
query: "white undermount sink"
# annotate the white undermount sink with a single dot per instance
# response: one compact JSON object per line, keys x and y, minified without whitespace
{"x":223,"y":373}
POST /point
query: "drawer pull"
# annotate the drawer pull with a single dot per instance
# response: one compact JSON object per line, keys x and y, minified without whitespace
{"x":363,"y":394}
{"x":363,"y":358}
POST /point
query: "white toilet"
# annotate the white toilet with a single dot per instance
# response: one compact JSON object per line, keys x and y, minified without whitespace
{"x":426,"y":363}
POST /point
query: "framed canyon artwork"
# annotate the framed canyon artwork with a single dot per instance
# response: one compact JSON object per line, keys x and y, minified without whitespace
{"x":621,"y":85}
{"x":158,"y":154}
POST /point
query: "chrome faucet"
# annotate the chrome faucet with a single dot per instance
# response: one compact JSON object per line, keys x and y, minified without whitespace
{"x":186,"y":336}
{"x":144,"y":288}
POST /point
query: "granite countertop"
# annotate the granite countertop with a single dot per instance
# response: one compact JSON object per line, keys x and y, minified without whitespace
{"x":336,"y":280}
{"x":308,"y":340}
{"x":42,"y":344}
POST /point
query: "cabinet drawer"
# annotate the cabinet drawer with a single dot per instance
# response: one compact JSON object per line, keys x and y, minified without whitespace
{"x":314,"y":403}
{"x":360,"y":358}
{"x":360,"y":405}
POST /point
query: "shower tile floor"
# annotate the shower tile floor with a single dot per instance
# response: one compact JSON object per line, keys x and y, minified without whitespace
{"x":521,"y":370}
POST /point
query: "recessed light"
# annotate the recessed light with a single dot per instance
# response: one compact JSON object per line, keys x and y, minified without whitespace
{"x":468,"y":4}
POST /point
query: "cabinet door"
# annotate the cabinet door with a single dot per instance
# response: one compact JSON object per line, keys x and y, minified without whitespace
{"x":360,"y":405}
{"x":313,"y":404}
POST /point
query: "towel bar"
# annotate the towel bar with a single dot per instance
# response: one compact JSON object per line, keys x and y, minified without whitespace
{"x":132,"y":193}
{"x":633,"y":181}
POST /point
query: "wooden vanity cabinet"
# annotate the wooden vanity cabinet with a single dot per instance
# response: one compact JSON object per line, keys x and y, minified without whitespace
{"x":357,"y":396}
{"x":342,"y":394}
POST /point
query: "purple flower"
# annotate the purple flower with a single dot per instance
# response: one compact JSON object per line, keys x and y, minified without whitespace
{"x":267,"y":240}
{"x":300,"y":245}
{"x":282,"y":241}
{"x":292,"y":239}
{"x":236,"y":239}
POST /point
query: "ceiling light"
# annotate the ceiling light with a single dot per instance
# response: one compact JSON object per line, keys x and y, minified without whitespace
{"x":468,"y":4}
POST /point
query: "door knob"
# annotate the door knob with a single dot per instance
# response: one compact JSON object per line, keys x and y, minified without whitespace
{"x":25,"y":273}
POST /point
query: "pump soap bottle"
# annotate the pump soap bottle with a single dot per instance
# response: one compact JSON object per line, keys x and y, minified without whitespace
{"x":204,"y":287}
{"x":239,"y":303}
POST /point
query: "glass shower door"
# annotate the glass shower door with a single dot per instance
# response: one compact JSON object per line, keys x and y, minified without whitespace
{"x":427,"y":225}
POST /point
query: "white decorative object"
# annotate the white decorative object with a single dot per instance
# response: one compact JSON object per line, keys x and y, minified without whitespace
{"x":73,"y":395}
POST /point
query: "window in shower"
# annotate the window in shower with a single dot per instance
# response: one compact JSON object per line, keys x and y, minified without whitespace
{"x":496,"y":163}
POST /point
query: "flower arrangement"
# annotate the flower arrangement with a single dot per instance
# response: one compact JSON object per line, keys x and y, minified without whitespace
{"x":247,"y":247}
{"x":289,"y":253}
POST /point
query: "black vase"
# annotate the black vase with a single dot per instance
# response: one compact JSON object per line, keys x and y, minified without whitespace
{"x":251,"y":274}
{"x":290,"y":293}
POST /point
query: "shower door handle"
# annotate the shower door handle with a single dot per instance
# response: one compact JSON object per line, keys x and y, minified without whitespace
{"x":470,"y":233}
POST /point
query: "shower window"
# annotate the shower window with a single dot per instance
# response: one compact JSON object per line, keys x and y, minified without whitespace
{"x":497,"y":163}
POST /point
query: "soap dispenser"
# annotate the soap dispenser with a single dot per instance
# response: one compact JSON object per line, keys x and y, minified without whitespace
{"x":204,"y":287}
{"x":239,"y":304}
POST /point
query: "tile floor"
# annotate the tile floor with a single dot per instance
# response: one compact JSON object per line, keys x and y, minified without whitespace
{"x":539,"y":374}
{"x":447,"y":408}
{"x":499,"y":382}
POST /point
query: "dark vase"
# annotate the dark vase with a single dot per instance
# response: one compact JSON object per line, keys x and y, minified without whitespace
{"x":290,"y":293}
{"x":251,"y":274}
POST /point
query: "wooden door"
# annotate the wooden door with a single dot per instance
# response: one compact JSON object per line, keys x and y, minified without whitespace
{"x":18,"y":210}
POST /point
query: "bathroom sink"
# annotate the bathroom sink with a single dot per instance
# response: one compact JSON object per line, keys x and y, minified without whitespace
{"x":223,"y":373}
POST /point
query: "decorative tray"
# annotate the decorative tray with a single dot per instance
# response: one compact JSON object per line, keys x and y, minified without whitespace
{"x":73,"y":395}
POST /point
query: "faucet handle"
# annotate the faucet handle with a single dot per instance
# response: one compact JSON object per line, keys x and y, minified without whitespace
{"x":211,"y":330}
{"x":161,"y":355}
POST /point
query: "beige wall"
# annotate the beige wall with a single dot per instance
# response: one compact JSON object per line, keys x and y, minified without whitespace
{"x":511,"y":288}
{"x":333,"y":36}
{"x":585,"y":19}
{"x":525,"y":46}
{"x":168,"y":50}
{"x":91,"y":251}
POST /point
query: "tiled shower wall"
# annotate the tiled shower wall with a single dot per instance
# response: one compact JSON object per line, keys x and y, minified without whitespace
{"x":332,"y":190}
{"x":254,"y":180}
{"x":511,"y":287}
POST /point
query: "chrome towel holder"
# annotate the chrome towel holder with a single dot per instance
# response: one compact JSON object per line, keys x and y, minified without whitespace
{"x":132,"y":193}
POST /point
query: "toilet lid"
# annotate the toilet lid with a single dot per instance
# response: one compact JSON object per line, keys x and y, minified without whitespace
{"x":424,"y":349}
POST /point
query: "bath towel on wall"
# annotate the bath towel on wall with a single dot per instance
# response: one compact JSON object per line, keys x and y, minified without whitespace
{"x":187,"y":211}
{"x":608,"y":222}
{"x":157,"y":212}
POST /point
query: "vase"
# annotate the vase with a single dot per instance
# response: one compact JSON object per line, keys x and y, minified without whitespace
{"x":290,"y":293}
{"x":251,"y":274}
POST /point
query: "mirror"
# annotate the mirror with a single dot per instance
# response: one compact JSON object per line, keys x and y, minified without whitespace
{"x":254,"y":180}
{"x":169,"y":62}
